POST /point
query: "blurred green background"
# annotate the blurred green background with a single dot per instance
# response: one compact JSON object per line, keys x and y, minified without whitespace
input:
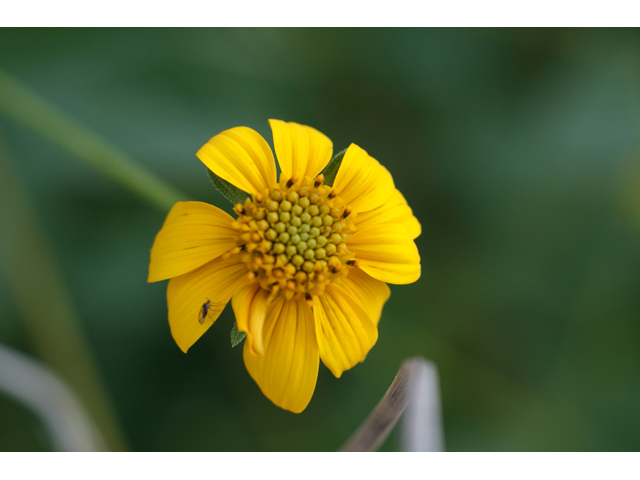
{"x":518,"y":150}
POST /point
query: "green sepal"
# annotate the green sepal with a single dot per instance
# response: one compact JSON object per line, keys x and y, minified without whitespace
{"x":236,"y":336}
{"x":228,"y":191}
{"x":332,"y":167}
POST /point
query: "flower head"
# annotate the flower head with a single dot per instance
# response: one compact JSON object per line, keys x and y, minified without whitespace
{"x":304,"y":264}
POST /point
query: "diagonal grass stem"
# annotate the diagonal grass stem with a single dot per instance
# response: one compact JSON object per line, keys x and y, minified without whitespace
{"x":24,"y":106}
{"x":44,"y":302}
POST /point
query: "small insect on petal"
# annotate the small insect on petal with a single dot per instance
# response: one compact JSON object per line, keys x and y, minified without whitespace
{"x":204,"y":311}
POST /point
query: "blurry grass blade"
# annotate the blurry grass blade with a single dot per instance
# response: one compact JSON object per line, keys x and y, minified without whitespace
{"x":229,"y":191}
{"x":332,"y":167}
{"x":236,"y":336}
{"x":50,"y":398}
{"x":26,"y":107}
{"x":44,"y":303}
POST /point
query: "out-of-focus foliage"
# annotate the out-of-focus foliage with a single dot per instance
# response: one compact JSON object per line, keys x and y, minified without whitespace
{"x":519,"y":151}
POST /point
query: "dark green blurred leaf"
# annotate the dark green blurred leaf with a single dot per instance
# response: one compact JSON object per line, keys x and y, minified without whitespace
{"x":230,"y":192}
{"x":332,"y":168}
{"x":236,"y":336}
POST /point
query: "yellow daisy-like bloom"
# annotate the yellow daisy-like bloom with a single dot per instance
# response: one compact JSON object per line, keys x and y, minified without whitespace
{"x":304,"y":264}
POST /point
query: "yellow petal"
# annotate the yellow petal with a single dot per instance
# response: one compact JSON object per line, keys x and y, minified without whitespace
{"x":370,"y":293}
{"x":395,"y":210}
{"x":241,"y":157}
{"x":301,"y":150}
{"x":361,"y":181}
{"x":193,"y":234}
{"x":215,"y":283}
{"x":387,"y":253}
{"x":344,"y":330}
{"x":250,"y":306}
{"x":288,"y":370}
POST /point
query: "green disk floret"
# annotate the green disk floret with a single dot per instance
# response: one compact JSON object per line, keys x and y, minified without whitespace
{"x":293,"y":239}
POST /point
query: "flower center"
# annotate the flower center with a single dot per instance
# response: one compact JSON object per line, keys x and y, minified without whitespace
{"x":293,"y":239}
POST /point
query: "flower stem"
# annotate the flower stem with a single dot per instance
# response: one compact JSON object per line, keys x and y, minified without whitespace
{"x":24,"y":106}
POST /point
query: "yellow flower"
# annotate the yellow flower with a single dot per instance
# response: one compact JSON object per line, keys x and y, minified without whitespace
{"x":305,"y":264}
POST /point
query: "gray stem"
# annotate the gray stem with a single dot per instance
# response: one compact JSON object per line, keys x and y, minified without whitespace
{"x":51,"y":400}
{"x":416,"y":389}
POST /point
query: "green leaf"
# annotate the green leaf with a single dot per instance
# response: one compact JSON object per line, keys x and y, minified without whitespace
{"x":332,"y":167}
{"x":230,"y":192}
{"x":236,"y":336}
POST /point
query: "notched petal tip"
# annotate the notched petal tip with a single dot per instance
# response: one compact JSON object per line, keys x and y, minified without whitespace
{"x":395,"y":210}
{"x":362,"y":182}
{"x":301,"y":150}
{"x":387,"y":253}
{"x":288,"y":370}
{"x":241,"y":157}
